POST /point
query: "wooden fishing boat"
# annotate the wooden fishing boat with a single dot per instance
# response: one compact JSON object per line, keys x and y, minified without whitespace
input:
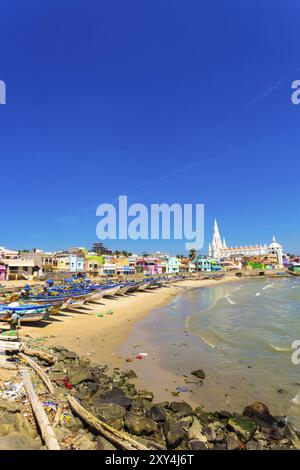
{"x":293,"y":273}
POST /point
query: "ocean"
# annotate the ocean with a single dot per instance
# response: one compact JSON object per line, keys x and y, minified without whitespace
{"x":239,"y":333}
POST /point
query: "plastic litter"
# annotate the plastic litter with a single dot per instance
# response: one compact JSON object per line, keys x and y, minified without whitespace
{"x":67,"y":383}
{"x":139,"y":357}
{"x":143,"y":354}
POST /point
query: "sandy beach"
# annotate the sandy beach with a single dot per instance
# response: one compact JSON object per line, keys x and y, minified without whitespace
{"x":100,"y":337}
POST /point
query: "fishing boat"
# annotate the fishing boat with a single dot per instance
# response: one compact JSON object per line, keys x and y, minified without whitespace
{"x":27,"y":313}
{"x":293,"y":273}
{"x":294,"y":269}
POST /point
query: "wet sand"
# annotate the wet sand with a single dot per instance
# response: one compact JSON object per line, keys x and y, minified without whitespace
{"x":100,"y":337}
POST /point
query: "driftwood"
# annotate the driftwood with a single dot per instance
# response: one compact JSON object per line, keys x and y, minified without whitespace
{"x":121,"y":439}
{"x":39,"y":413}
{"x":40,"y":354}
{"x":57,"y":415}
{"x":39,"y":371}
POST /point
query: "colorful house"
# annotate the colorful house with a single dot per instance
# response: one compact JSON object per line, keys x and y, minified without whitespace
{"x":76,"y":264}
{"x":204,"y":264}
{"x":93,"y":264}
{"x":173,"y":265}
{"x":2,"y":271}
{"x":147,"y":266}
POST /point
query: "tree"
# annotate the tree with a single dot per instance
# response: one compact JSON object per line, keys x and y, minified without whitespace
{"x":192,"y":254}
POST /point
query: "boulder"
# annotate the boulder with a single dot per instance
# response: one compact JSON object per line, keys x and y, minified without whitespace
{"x":24,"y":426}
{"x":173,"y":433}
{"x":140,"y":424}
{"x":18,"y":441}
{"x":78,"y":375}
{"x":232,"y":442}
{"x":129,"y":374}
{"x":199,"y":373}
{"x":146,"y":395}
{"x":259,"y":411}
{"x":195,"y":432}
{"x":10,"y":406}
{"x":109,"y":411}
{"x":243,"y":427}
{"x":197,"y":445}
{"x":83,"y":442}
{"x":103,"y":444}
{"x":158,"y":413}
{"x":116,"y":395}
{"x":7,"y":423}
{"x":181,"y":408}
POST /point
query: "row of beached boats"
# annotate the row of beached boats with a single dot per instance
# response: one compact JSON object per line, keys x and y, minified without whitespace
{"x":36,"y":305}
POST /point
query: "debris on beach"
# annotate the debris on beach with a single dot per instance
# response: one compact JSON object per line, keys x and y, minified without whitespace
{"x":93,"y":409}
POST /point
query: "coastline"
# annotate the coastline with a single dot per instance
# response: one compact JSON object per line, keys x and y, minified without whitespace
{"x":101,"y":337}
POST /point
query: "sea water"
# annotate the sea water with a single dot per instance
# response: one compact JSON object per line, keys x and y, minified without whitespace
{"x":239,"y":333}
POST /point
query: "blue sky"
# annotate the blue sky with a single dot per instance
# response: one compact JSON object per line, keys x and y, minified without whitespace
{"x":166,"y":101}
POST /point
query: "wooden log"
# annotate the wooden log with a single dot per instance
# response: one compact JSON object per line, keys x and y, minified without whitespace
{"x":121,"y":439}
{"x":40,"y":354}
{"x":39,"y":413}
{"x":39,"y":371}
{"x":57,"y":415}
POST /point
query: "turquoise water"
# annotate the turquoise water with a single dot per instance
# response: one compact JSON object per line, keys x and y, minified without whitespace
{"x":240,"y":334}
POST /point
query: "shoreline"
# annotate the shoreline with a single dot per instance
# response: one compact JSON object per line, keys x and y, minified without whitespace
{"x":101,"y":337}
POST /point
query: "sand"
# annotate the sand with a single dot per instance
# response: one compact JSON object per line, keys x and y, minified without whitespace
{"x":100,"y":337}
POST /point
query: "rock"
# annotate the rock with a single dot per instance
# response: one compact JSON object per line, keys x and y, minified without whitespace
{"x":243,"y":427}
{"x":146,"y":395}
{"x":232,"y":442}
{"x":293,"y":436}
{"x":18,"y":441}
{"x":253,"y":445}
{"x":87,"y":390}
{"x":83,"y":442}
{"x":62,"y":433}
{"x":273,"y":432}
{"x":129,"y":374}
{"x":116,"y":395}
{"x":222,"y":414}
{"x":103,"y":444}
{"x":7,"y":423}
{"x":195,"y":432}
{"x":118,"y":424}
{"x":185,"y":423}
{"x":197,"y":445}
{"x":64,"y":354}
{"x":71,"y":422}
{"x":79,"y":375}
{"x":173,"y":433}
{"x":199,"y":373}
{"x":109,"y":411}
{"x":181,"y":408}
{"x":10,"y":406}
{"x":158,"y":413}
{"x":259,"y":411}
{"x":140,"y":424}
{"x":24,"y":426}
{"x":220,"y":447}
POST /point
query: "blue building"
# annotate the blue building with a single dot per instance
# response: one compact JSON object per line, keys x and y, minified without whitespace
{"x":76,"y":264}
{"x":204,"y":264}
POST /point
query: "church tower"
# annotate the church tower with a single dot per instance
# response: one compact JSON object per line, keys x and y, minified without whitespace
{"x":216,"y":245}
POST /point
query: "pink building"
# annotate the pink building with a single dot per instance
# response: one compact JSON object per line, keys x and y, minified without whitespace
{"x":147,"y":266}
{"x":2,"y":271}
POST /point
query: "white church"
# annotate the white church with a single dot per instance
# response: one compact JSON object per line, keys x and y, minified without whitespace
{"x":218,"y":248}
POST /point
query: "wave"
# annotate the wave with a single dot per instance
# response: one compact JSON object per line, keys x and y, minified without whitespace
{"x":229,"y":300}
{"x":268,"y":286}
{"x":279,"y":348}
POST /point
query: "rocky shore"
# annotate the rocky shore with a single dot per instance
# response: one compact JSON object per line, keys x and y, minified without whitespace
{"x":113,"y":399}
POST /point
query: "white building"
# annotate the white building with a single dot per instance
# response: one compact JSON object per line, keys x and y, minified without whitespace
{"x":218,"y":248}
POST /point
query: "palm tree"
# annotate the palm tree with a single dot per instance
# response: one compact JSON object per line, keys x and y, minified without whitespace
{"x":192,"y":254}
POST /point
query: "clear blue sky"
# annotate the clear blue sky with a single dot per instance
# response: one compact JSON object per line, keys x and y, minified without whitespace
{"x":110,"y":97}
